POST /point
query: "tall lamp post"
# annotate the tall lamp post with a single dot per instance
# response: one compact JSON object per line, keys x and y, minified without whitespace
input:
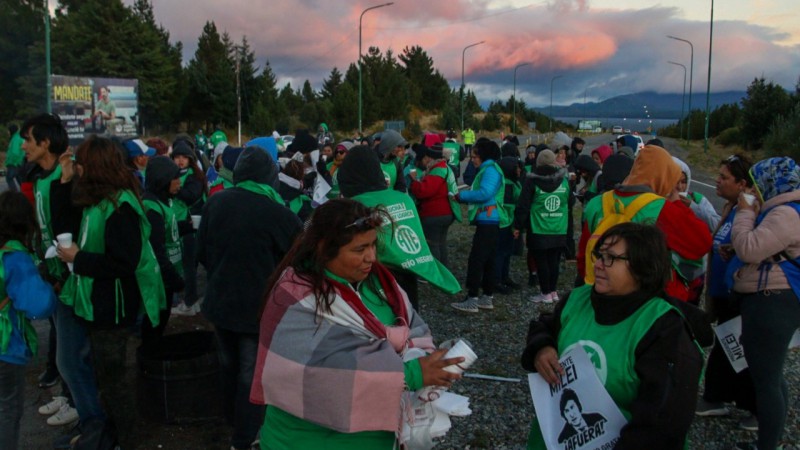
{"x":463,"y":52}
{"x":360,"y":131}
{"x":514,"y":97}
{"x":708,"y":85}
{"x":691,"y":73}
{"x":551,"y":99}
{"x":47,"y":55}
{"x":683,"y":98}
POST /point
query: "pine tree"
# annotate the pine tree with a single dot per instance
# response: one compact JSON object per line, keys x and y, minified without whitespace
{"x":211,"y":80}
{"x":429,"y":89}
{"x":23,"y":31}
{"x":764,"y":102}
{"x":331,"y":84}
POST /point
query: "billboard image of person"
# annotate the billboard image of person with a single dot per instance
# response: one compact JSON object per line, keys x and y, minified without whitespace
{"x":105,"y":110}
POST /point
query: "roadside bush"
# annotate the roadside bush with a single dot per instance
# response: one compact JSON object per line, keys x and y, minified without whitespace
{"x":730,"y":136}
{"x":783,"y":138}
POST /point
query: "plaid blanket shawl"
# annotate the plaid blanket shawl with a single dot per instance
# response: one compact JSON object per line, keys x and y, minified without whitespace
{"x":342,"y":370}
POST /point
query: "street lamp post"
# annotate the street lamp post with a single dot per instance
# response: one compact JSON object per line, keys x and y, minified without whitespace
{"x":708,"y":85}
{"x":551,"y":99}
{"x":360,"y":130}
{"x":514,"y":97}
{"x":463,"y":52}
{"x":47,"y":55}
{"x":683,"y":98}
{"x":691,"y":74}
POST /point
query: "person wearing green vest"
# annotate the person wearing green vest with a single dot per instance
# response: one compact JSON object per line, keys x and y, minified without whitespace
{"x":468,"y":136}
{"x":640,"y":344}
{"x":435,"y":194}
{"x":542,"y":212}
{"x":162,"y":183}
{"x":506,"y":242}
{"x":24,"y":296}
{"x":201,"y":141}
{"x":403,"y":247}
{"x":115,"y":276}
{"x":291,"y":190}
{"x":485,"y":200}
{"x":15,"y":157}
{"x":189,"y":201}
{"x":45,"y":144}
{"x":391,"y":151}
{"x":328,"y":166}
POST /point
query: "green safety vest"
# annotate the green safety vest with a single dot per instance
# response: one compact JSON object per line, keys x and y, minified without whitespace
{"x":498,"y":196}
{"x":510,"y":208}
{"x":296,"y":204}
{"x":41,"y":191}
{"x":455,"y":156}
{"x":611,"y":348}
{"x":549,"y":210}
{"x":182,"y":209}
{"x":77,"y":291}
{"x":334,"y":192}
{"x":172,"y":234}
{"x":389,"y":169}
{"x":24,"y":325}
{"x":402,"y":244}
{"x":452,"y":188}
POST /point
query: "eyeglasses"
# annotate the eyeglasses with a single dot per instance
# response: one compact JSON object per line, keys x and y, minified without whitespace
{"x":341,"y":152}
{"x":732,"y":158}
{"x":365,"y":223}
{"x":607,"y":258}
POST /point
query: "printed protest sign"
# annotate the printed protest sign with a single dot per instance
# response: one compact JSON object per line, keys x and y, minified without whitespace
{"x":729,"y":335}
{"x":578,"y":414}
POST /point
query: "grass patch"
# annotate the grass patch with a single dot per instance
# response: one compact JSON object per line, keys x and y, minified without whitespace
{"x":708,"y":162}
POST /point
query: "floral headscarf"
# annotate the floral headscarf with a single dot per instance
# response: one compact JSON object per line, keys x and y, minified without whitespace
{"x":775,"y":176}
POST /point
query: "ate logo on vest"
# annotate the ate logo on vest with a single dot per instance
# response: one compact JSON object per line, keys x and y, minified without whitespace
{"x":407,"y":240}
{"x":387,"y":177}
{"x":596,"y":355}
{"x":552,"y":203}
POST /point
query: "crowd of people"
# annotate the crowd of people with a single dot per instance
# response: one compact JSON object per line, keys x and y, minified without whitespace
{"x":313,"y":254}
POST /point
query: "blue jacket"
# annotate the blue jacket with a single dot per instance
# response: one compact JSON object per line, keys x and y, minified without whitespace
{"x":30,"y":295}
{"x":484,"y":196}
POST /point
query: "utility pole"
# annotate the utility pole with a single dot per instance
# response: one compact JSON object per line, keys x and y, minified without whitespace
{"x":463,"y":52}
{"x":238,"y":95}
{"x":683,"y":97}
{"x":514,"y":113}
{"x":708,"y":85}
{"x":47,"y":55}
{"x":551,"y":99}
{"x":360,"y":130}
{"x":691,"y":75}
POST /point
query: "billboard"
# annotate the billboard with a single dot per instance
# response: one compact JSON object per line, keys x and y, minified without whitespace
{"x":90,"y":105}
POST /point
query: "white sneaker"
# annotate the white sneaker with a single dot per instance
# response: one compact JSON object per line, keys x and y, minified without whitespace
{"x":541,"y":298}
{"x":53,"y":406}
{"x":485,"y":302}
{"x":183,"y":310}
{"x":554,"y":296}
{"x":469,"y":305}
{"x":65,"y":415}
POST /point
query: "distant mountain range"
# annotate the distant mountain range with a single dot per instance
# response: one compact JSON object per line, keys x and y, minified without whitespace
{"x":659,"y":106}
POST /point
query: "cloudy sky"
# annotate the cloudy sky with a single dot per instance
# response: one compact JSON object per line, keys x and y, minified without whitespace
{"x":602,"y":48}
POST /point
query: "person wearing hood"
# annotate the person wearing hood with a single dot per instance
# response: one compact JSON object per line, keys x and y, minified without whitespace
{"x":542,"y":213}
{"x":323,"y":135}
{"x":225,"y":157}
{"x":765,"y":276}
{"x":512,"y":170}
{"x":391,"y":151}
{"x":329,"y":168}
{"x":576,"y":148}
{"x":189,"y":200}
{"x":699,"y":204}
{"x":627,"y":151}
{"x":587,"y":171}
{"x":161,"y":185}
{"x":435,"y":193}
{"x":655,"y":176}
{"x":291,"y":190}
{"x":244,"y":233}
{"x":403,"y":248}
{"x":485,"y":200}
{"x":136,"y":155}
{"x":600,"y":154}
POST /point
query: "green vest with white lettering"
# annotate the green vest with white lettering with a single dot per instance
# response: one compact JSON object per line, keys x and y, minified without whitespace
{"x":41,"y":191}
{"x":77,"y":291}
{"x":172,"y":241}
{"x":389,"y":169}
{"x":549,"y":210}
{"x":402,"y":245}
{"x":611,"y":348}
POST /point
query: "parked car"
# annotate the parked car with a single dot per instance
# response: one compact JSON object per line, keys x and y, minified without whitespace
{"x":617,"y":129}
{"x":633,"y":141}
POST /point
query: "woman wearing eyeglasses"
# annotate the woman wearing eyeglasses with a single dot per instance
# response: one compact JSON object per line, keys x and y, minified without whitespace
{"x":766,"y":278}
{"x":651,"y":361}
{"x":334,"y":331}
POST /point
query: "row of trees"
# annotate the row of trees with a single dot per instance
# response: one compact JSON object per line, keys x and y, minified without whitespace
{"x":769,"y":117}
{"x":105,"y":38}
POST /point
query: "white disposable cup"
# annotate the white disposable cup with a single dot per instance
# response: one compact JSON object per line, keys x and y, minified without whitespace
{"x":460,"y":349}
{"x":413,"y":171}
{"x":749,"y":198}
{"x":683,"y":194}
{"x":64,"y":240}
{"x":196,"y":222}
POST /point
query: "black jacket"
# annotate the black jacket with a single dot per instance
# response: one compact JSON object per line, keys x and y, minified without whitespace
{"x":242,"y":238}
{"x":548,"y":179}
{"x":668,"y":364}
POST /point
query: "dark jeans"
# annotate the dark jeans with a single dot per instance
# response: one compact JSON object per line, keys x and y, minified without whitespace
{"x":481,"y":261}
{"x":547,"y":263}
{"x":435,"y":229}
{"x":151,"y":335}
{"x":189,"y":243}
{"x":722,"y":383}
{"x":569,"y":250}
{"x":768,"y":323}
{"x":238,"y":353}
{"x":505,"y":248}
{"x":12,"y":394}
{"x":75,"y":363}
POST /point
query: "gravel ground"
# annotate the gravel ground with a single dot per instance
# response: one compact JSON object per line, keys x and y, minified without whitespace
{"x":501,"y":411}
